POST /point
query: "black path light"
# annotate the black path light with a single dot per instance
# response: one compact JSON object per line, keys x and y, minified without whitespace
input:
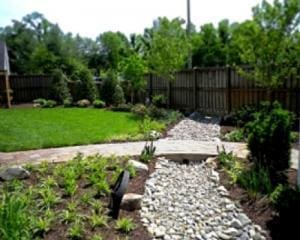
{"x":117,"y":194}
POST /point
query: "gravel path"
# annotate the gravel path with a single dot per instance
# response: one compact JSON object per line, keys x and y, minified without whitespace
{"x":196,"y":127}
{"x":186,"y":202}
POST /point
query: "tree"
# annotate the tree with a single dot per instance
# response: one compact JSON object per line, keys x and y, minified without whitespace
{"x":59,"y":86}
{"x":134,"y":69}
{"x":269,"y":42}
{"x":169,"y":47}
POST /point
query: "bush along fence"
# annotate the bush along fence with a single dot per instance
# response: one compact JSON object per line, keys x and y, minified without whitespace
{"x":26,"y":88}
{"x":220,"y":90}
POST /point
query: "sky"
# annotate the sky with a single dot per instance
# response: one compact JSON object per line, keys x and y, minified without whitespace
{"x":89,"y":18}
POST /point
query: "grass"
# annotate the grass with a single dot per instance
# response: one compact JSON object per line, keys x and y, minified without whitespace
{"x":24,"y":129}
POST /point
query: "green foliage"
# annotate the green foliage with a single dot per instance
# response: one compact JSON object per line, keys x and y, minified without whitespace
{"x":256,"y":181}
{"x":156,"y":113}
{"x":148,"y":152}
{"x":269,"y":140}
{"x":140,"y":110}
{"x":83,"y":103}
{"x":118,"y":97}
{"x":122,"y":108}
{"x":159,"y":100}
{"x":96,"y":237}
{"x":125,"y":225}
{"x":87,"y":86}
{"x":269,"y":42}
{"x":40,"y":102}
{"x":131,"y":169}
{"x":59,"y":86}
{"x":14,"y":218}
{"x":97,"y":220}
{"x":275,"y":195}
{"x":67,"y":103}
{"x":50,"y":104}
{"x":98,"y":104}
{"x":147,"y":125}
{"x":109,"y":85}
{"x":76,"y":230}
{"x":294,"y":137}
{"x":169,"y":47}
{"x":235,"y":136}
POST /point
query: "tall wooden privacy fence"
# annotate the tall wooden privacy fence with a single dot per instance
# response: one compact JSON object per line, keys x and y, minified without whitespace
{"x":26,"y":88}
{"x":220,"y":90}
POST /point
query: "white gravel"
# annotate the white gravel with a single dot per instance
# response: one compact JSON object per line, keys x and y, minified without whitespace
{"x":196,"y":127}
{"x":187,"y":202}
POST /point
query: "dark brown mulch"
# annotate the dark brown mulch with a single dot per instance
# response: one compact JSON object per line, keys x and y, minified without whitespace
{"x":258,"y":209}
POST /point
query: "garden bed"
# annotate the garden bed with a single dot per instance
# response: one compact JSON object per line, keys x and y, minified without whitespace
{"x":70,"y":201}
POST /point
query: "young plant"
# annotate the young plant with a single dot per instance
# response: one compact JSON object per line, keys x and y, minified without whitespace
{"x":40,"y":225}
{"x":97,"y":206}
{"x":96,"y":237}
{"x":76,"y":230}
{"x":131,"y":169}
{"x":49,"y":197}
{"x":148,"y":152}
{"x":14,"y":218}
{"x":102,"y":188}
{"x":86,"y":198}
{"x":97,"y":220}
{"x":125,"y":225}
{"x":67,"y":216}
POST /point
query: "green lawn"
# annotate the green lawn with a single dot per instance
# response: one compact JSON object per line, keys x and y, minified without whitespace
{"x":23,"y":129}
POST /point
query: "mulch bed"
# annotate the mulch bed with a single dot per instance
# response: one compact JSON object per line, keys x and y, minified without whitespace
{"x":258,"y":209}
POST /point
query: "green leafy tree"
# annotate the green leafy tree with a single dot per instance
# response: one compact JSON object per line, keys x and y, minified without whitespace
{"x":59,"y":86}
{"x":169,"y":47}
{"x":134,"y":69}
{"x":269,"y":42}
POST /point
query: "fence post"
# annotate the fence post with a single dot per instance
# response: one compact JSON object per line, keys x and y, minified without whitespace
{"x":169,"y":86}
{"x":228,"y":76}
{"x":150,"y":90}
{"x":195,"y":89}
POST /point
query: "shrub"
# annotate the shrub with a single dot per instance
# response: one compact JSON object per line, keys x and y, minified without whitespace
{"x":140,"y":110}
{"x":108,"y":87}
{"x":122,"y":108}
{"x":50,"y":104}
{"x":256,"y":180}
{"x":67,"y":102}
{"x":40,"y":102}
{"x":156,"y":113}
{"x":125,"y":225}
{"x":159,"y":100}
{"x":269,"y":141}
{"x":98,"y":104}
{"x":118,"y":97}
{"x":294,"y":137}
{"x":235,"y":136}
{"x":148,"y":125}
{"x":59,"y":86}
{"x":83,"y":103}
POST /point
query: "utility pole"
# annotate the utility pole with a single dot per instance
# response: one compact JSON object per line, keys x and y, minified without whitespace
{"x":190,"y":64}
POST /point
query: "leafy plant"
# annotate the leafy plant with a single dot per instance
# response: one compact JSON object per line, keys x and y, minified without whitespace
{"x":76,"y":230}
{"x":67,"y":216}
{"x":125,"y":225}
{"x":14,"y":218}
{"x":118,"y":97}
{"x":49,"y":197}
{"x":131,"y":169}
{"x":269,"y":141}
{"x":122,"y":108}
{"x":102,"y":187}
{"x":98,"y":104}
{"x":59,"y":86}
{"x":97,"y":206}
{"x":96,"y":237}
{"x":148,"y":152}
{"x":140,"y":110}
{"x":40,"y":102}
{"x":159,"y":100}
{"x":97,"y":220}
{"x":235,"y":136}
{"x":156,"y":113}
{"x":83,"y":103}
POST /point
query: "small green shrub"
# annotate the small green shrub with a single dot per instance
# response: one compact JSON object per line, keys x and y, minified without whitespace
{"x":59,"y":86}
{"x":148,"y":152}
{"x":256,"y":181}
{"x":96,"y":237}
{"x":97,"y":220}
{"x":148,"y":125}
{"x":76,"y":230}
{"x":269,"y":141}
{"x":118,"y":97}
{"x":87,"y":88}
{"x":98,"y":104}
{"x":50,"y":104}
{"x":275,"y":195}
{"x":67,"y":103}
{"x":40,"y":102}
{"x":122,"y":108}
{"x":294,"y":137}
{"x":140,"y":110}
{"x":159,"y":100}
{"x":125,"y":225}
{"x":108,"y":87}
{"x":156,"y":113}
{"x":131,"y":169}
{"x":83,"y":103}
{"x":235,"y":136}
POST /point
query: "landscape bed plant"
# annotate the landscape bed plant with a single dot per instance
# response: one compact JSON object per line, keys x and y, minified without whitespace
{"x":67,"y":201}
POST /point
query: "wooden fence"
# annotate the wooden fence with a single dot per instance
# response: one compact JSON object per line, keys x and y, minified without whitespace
{"x":220,"y":90}
{"x":26,"y":88}
{"x":216,"y":90}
